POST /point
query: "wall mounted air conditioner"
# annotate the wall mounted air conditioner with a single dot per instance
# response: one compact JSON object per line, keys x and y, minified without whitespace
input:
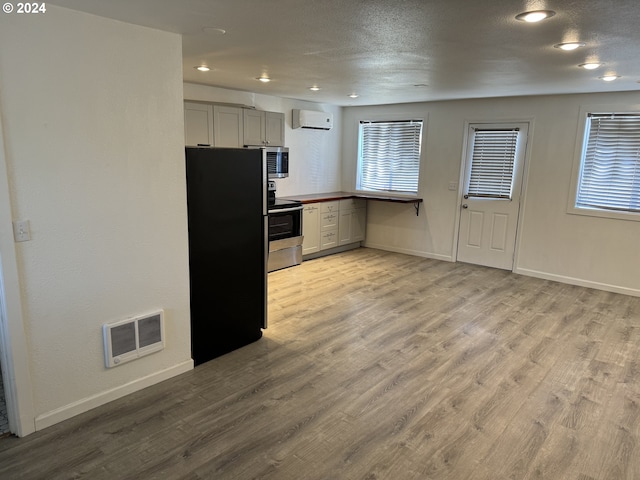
{"x":312,"y":119}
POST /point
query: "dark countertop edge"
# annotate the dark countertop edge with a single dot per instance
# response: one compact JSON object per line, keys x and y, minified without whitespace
{"x":332,"y":196}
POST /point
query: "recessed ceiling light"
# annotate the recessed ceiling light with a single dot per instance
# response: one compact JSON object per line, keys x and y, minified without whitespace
{"x":214,"y":30}
{"x":589,"y":66}
{"x":569,"y":45}
{"x":314,"y":88}
{"x":535,"y":15}
{"x":202,"y":68}
{"x":353,"y":95}
{"x":264,"y":79}
{"x":609,"y":78}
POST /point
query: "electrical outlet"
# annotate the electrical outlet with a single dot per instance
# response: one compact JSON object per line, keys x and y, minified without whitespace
{"x":21,"y":230}
{"x":453,"y":186}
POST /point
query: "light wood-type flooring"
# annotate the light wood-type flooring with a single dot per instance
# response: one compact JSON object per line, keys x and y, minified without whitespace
{"x":379,"y":365}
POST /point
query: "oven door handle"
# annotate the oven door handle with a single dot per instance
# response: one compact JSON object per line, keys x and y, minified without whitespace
{"x":285,"y":210}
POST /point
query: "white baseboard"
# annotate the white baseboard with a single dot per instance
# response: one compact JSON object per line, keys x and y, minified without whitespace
{"x":578,"y":281}
{"x":415,"y":253}
{"x":522,"y":271}
{"x":76,"y":408}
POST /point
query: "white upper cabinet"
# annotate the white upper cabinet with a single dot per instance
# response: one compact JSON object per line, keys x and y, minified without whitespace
{"x":228,"y":126}
{"x":274,"y":129}
{"x":263,"y":128}
{"x":254,"y":127}
{"x":231,"y":126}
{"x":198,"y":124}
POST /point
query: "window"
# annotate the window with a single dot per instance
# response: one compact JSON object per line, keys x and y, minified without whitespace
{"x":492,"y":162}
{"x":389,"y":156}
{"x":609,"y":176}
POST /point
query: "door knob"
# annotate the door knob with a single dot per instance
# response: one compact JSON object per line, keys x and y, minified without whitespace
{"x":466,"y":196}
{"x":465,"y":206}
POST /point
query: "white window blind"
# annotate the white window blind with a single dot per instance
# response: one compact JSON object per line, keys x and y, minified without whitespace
{"x":492,"y":161}
{"x":610,"y":170}
{"x":389,"y":156}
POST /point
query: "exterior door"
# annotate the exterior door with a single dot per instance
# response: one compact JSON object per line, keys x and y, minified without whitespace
{"x":490,"y":201}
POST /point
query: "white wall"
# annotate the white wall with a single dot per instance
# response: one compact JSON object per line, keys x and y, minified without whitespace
{"x":553,"y":244}
{"x":92,"y":126}
{"x":94,"y":152}
{"x":314,"y":155}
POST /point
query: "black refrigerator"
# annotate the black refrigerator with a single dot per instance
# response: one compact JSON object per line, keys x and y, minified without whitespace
{"x":228,"y":248}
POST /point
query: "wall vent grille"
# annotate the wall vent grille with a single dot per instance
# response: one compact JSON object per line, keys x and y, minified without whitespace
{"x":133,"y":338}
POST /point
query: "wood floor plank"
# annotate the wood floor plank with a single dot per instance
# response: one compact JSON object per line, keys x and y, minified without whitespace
{"x":378,"y":365}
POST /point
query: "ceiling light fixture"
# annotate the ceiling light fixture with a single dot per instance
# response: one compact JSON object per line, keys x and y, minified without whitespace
{"x":264,"y":79}
{"x":535,"y":16}
{"x":202,"y":68}
{"x":568,"y":46}
{"x":609,"y":78}
{"x":314,"y":88}
{"x":214,"y":30}
{"x":589,"y":66}
{"x":353,"y":95}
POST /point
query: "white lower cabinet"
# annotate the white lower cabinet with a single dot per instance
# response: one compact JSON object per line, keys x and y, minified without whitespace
{"x":329,"y":215}
{"x":311,"y":229}
{"x":328,"y":225}
{"x":353,"y":213}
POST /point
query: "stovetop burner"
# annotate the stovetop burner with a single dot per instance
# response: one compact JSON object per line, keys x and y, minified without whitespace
{"x":274,"y":203}
{"x":278,"y":203}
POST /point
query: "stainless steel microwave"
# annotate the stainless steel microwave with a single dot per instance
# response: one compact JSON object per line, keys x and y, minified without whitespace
{"x":277,"y":161}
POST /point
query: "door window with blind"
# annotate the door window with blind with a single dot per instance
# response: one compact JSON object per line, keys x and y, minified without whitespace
{"x":389,"y":156}
{"x":608,"y":180}
{"x":493,"y":155}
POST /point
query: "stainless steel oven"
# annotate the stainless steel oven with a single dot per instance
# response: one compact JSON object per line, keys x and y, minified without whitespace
{"x":285,"y":222}
{"x":285,"y":233}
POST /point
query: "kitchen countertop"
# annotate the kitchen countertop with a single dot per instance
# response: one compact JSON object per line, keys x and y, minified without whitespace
{"x":328,"y":197}
{"x":331,"y":196}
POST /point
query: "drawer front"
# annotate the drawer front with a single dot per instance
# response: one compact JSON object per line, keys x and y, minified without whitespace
{"x":284,"y":257}
{"x":328,"y":207}
{"x":329,"y":239}
{"x":329,"y":220}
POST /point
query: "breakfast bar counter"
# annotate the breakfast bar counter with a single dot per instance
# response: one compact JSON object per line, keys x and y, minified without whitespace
{"x":331,"y":196}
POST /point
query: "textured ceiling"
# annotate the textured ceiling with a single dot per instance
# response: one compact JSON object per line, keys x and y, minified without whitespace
{"x":394,"y":51}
